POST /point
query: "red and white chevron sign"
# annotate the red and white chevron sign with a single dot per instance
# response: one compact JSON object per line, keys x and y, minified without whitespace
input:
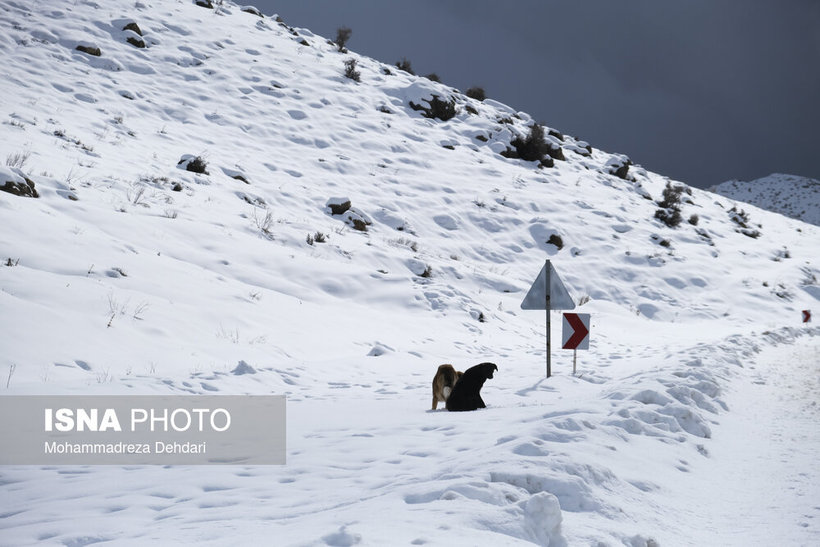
{"x":806,"y":316}
{"x":575,"y":332}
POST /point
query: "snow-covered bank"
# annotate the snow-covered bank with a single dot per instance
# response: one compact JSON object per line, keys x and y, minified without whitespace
{"x":714,"y":447}
{"x":761,"y":461}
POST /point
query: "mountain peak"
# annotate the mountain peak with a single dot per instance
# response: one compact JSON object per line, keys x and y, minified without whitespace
{"x":789,"y":195}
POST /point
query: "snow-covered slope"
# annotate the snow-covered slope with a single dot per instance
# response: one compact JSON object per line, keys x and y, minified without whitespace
{"x":790,"y":195}
{"x":130,"y":274}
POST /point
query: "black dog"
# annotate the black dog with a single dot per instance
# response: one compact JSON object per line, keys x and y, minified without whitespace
{"x":466,"y":394}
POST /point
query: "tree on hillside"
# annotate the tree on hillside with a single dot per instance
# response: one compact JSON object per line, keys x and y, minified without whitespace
{"x":342,"y":36}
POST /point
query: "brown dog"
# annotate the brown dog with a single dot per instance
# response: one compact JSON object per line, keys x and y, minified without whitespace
{"x":443,"y":382}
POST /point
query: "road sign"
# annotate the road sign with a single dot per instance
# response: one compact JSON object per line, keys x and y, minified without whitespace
{"x":575,"y":332}
{"x":559,"y":298}
{"x":548,"y":293}
{"x":806,"y":316}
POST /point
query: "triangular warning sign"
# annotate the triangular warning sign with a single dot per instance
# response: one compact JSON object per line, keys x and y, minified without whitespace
{"x":559,"y":298}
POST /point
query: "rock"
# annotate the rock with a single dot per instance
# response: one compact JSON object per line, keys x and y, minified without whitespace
{"x":338,"y":206}
{"x":19,"y":185}
{"x":90,"y":50}
{"x":133,"y":27}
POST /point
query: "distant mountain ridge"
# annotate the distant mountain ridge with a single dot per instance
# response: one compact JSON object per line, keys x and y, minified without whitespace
{"x":790,"y":195}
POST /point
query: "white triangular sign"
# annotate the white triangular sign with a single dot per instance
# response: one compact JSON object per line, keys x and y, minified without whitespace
{"x":559,"y":297}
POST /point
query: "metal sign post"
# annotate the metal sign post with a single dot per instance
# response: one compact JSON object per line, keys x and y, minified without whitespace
{"x":547,"y":269}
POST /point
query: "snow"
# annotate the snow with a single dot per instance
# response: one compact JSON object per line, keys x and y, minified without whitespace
{"x":691,"y":419}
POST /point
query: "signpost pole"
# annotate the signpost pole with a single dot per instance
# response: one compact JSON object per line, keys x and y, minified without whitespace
{"x":549,"y":345}
{"x":574,"y":360}
{"x":537,"y":300}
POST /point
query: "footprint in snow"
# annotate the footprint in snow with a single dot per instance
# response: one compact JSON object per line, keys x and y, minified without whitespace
{"x":85,"y":97}
{"x":216,"y":488}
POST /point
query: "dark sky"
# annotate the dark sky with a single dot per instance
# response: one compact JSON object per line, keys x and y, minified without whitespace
{"x":702,"y":91}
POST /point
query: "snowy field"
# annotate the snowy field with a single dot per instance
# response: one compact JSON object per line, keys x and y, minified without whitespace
{"x":691,"y":419}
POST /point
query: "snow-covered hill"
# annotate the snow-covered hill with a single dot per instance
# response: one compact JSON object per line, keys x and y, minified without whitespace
{"x":129,"y":273}
{"x":790,"y":195}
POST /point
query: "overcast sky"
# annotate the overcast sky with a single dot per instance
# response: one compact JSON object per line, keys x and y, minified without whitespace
{"x":702,"y":91}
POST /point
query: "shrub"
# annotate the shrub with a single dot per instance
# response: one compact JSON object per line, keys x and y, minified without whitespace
{"x":556,"y":240}
{"x":342,"y":36}
{"x":534,"y":147}
{"x":264,"y":223}
{"x":443,"y":110}
{"x":319,"y":237}
{"x":741,"y":218}
{"x":439,"y":109}
{"x":669,"y":212}
{"x":351,"y":72}
{"x":18,"y":159}
{"x":197,"y":165}
{"x":476,"y":93}
{"x":671,"y":196}
{"x":404,"y":65}
{"x":671,"y":217}
{"x":433,"y":77}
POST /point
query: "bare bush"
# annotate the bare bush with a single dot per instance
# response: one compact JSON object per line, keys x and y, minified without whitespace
{"x":18,"y":159}
{"x":342,"y":36}
{"x":351,"y":72}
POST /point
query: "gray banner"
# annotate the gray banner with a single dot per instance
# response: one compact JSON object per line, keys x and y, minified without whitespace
{"x":142,"y":429}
